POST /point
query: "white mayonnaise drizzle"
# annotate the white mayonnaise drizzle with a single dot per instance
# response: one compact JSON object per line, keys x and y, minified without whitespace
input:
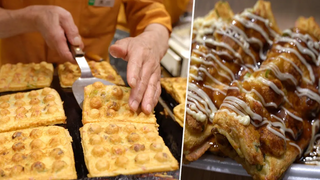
{"x":269,"y":104}
{"x":245,"y":120}
{"x":239,"y":40}
{"x":239,"y":105}
{"x":254,"y":26}
{"x":251,"y":40}
{"x":307,"y":92}
{"x":302,"y":59}
{"x":210,"y":109}
{"x":214,"y":89}
{"x":306,"y":38}
{"x":222,"y":66}
{"x":295,"y":145}
{"x":273,"y":87}
{"x":224,"y":45}
{"x":292,"y":115}
{"x":266,"y":21}
{"x":221,"y":53}
{"x":302,"y":49}
{"x":283,"y":127}
{"x":282,"y":76}
{"x":315,"y":127}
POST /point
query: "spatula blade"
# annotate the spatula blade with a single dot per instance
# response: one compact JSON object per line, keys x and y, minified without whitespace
{"x":79,"y":85}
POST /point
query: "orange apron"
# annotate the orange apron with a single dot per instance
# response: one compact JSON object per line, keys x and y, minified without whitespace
{"x":174,"y":8}
{"x":96,"y":26}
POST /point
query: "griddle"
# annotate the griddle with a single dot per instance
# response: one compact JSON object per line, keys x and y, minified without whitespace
{"x":169,"y":130}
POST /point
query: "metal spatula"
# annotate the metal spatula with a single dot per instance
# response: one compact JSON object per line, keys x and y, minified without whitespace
{"x":86,"y":77}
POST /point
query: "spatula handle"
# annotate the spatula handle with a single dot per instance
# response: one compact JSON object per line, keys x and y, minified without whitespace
{"x":78,"y":55}
{"x":75,"y":50}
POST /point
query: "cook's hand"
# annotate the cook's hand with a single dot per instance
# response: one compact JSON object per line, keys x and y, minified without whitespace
{"x":55,"y":24}
{"x":143,"y":53}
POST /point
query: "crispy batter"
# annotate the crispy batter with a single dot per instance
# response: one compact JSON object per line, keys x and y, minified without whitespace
{"x":30,"y":109}
{"x":263,"y":9}
{"x":125,"y":148}
{"x":105,"y":103}
{"x":69,"y":73}
{"x":222,"y":52}
{"x":176,"y":87}
{"x":36,"y":157}
{"x":266,"y":139}
{"x":17,"y":77}
{"x":309,"y":25}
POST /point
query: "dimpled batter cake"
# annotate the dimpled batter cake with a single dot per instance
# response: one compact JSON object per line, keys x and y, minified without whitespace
{"x":179,"y":90}
{"x":104,"y":103}
{"x":30,"y":109}
{"x":117,"y":148}
{"x":69,"y":73}
{"x":16,"y":77}
{"x":176,"y":87}
{"x":37,"y":153}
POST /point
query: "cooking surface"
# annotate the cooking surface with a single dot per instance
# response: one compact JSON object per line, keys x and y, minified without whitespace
{"x":169,"y":130}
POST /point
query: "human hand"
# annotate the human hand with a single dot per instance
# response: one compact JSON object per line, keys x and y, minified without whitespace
{"x":143,"y":53}
{"x":56,"y":26}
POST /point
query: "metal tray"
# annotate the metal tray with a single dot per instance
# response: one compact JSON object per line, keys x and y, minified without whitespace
{"x":168,"y":130}
{"x":214,"y":163}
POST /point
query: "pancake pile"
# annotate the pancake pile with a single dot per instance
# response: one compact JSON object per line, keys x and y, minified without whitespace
{"x":225,"y":48}
{"x":253,"y":91}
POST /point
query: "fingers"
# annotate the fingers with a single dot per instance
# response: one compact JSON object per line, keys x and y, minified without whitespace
{"x":55,"y":24}
{"x":70,"y":29}
{"x":142,"y":74}
{"x":60,"y":44}
{"x":120,"y":49}
{"x":152,"y":93}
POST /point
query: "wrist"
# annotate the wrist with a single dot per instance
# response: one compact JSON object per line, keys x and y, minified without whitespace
{"x":15,"y":22}
{"x":28,"y":16}
{"x":159,"y":34}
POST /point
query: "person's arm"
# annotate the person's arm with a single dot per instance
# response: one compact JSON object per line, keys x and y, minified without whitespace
{"x":144,"y":52}
{"x":54,"y":23}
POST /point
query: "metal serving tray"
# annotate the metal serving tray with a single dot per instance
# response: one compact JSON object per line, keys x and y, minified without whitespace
{"x":214,"y":163}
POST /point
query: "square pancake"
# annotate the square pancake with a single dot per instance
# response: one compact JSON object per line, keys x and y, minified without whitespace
{"x":69,"y":73}
{"x":30,"y":109}
{"x":17,"y":77}
{"x":116,"y":148}
{"x":105,"y":103}
{"x":176,"y":87}
{"x":37,"y":153}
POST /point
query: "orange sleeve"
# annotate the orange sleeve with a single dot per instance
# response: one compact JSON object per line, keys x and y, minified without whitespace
{"x":176,"y":8}
{"x":141,"y":13}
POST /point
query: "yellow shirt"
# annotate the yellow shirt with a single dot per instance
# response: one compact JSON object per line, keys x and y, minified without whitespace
{"x":96,"y":26}
{"x":175,"y":8}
